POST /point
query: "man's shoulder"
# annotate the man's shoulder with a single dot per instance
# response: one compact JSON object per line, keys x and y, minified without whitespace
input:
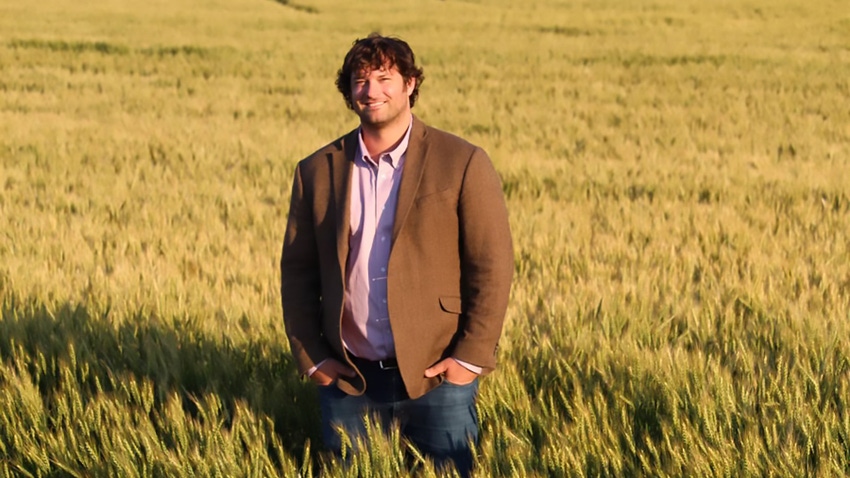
{"x":449,"y":147}
{"x":321,"y":155}
{"x":438,"y":136}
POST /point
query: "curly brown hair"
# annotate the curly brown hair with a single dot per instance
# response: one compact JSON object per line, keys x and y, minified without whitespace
{"x":374,"y":52}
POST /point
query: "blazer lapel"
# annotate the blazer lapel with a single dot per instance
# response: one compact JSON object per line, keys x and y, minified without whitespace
{"x":341,"y":165}
{"x":414,"y":167}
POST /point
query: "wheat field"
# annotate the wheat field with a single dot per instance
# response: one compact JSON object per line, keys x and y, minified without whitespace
{"x":676,"y":173}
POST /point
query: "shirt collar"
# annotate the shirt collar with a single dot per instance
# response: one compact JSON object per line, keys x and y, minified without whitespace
{"x":395,"y":154}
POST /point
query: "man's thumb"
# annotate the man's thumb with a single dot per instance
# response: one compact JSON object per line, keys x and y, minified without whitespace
{"x":435,"y":370}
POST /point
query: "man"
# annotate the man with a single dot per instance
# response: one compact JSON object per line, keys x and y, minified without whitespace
{"x":396,"y":264}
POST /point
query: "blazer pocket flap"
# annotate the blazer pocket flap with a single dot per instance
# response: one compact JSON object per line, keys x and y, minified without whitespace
{"x":452,"y":305}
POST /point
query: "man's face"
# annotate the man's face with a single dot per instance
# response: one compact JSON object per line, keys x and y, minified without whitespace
{"x":381,"y":97}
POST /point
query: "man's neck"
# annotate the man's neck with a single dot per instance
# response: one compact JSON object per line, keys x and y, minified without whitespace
{"x":379,"y":140}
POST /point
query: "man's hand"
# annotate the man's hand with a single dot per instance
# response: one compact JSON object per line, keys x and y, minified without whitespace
{"x":329,"y":372}
{"x":452,"y":372}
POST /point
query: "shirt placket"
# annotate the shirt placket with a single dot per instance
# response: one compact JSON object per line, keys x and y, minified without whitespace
{"x":382,"y":182}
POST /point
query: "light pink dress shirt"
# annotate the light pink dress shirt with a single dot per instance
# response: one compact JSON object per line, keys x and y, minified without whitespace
{"x":366,"y":330}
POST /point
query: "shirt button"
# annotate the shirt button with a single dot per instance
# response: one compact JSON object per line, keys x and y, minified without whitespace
{"x":383,"y":269}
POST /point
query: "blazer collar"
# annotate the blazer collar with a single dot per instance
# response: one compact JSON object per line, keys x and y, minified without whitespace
{"x":414,"y":166}
{"x":342,"y":163}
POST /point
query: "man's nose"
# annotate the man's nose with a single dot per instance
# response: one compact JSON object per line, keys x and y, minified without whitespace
{"x":370,"y":87}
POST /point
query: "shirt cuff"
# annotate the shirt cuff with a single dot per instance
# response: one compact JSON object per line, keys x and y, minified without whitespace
{"x":313,"y":369}
{"x":472,"y":368}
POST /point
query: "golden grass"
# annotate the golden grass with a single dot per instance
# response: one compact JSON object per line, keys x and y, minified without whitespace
{"x":675,"y":172}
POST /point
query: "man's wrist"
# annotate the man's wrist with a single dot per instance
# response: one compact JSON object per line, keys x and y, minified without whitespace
{"x":472,"y":368}
{"x":313,"y":369}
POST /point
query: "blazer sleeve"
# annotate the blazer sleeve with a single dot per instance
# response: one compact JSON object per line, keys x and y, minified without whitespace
{"x":487,"y":262}
{"x":300,"y":281}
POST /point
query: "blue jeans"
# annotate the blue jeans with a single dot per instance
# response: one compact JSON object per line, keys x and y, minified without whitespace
{"x":441,"y":423}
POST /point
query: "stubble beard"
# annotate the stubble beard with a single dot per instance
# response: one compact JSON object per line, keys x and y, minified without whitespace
{"x":378,"y":121}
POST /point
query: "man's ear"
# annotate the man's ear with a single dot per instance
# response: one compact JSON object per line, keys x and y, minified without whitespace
{"x":411,"y":84}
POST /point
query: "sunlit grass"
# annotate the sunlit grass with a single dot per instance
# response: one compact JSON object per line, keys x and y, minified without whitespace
{"x":675,"y":173}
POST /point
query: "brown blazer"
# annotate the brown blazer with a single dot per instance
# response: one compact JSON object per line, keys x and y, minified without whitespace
{"x":450,"y":266}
